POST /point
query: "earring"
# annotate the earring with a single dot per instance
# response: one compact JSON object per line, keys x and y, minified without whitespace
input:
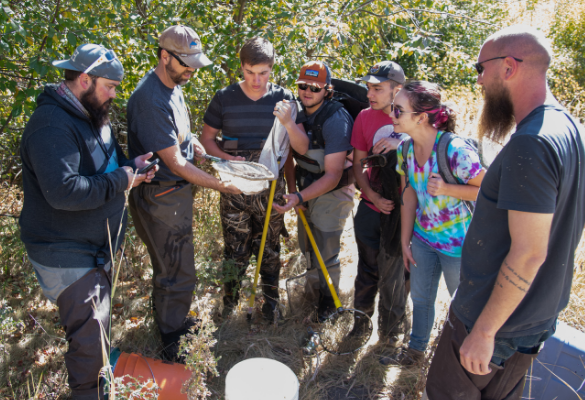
{"x":418,"y":123}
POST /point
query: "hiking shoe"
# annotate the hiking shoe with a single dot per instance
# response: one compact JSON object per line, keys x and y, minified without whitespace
{"x":171,"y":340}
{"x":405,"y":357}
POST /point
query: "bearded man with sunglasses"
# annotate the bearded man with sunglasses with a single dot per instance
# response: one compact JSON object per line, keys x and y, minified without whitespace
{"x":74,"y":178}
{"x":162,"y":211}
{"x":518,"y":256}
{"x":323,"y":194}
{"x":380,"y":266}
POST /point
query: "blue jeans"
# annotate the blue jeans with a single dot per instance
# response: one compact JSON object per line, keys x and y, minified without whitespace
{"x":424,"y":278}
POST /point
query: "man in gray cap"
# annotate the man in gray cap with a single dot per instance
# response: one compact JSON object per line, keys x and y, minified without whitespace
{"x":158,"y":122}
{"x":74,"y":178}
{"x":380,"y":266}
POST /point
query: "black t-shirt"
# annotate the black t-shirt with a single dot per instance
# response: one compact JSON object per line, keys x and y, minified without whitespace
{"x":158,"y":119}
{"x":242,"y":118}
{"x":540,"y":170}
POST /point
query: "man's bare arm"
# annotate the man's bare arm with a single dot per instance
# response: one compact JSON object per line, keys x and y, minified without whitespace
{"x":178,"y":165}
{"x":334,"y":164}
{"x":361,"y":177}
{"x":530,"y":235}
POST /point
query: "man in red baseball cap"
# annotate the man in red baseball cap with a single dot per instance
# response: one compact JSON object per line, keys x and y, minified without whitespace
{"x":324,"y":192}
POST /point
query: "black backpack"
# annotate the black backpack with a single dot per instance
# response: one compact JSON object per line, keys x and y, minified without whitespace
{"x":442,"y":161}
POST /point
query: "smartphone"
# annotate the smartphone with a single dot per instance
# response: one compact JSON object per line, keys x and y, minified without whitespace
{"x":148,"y":167}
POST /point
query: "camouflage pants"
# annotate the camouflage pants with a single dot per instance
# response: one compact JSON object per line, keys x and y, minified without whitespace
{"x":242,"y":219}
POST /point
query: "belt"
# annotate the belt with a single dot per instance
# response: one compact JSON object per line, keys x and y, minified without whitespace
{"x":166,"y":183}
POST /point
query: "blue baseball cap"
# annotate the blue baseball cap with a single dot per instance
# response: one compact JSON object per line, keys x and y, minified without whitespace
{"x":94,"y":59}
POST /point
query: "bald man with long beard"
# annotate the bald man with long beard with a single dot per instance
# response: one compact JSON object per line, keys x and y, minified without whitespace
{"x":518,"y":256}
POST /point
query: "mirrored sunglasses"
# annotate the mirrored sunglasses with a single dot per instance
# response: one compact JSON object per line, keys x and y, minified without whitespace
{"x":314,"y":89}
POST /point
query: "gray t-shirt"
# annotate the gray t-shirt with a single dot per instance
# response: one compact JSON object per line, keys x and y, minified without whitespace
{"x":540,"y":170}
{"x":336,"y":130}
{"x":157,"y":119}
{"x":242,"y":118}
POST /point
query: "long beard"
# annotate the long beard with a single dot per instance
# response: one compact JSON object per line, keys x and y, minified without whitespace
{"x":497,"y":115}
{"x":98,"y":113}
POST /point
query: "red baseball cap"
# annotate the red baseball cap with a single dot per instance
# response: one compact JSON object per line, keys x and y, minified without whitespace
{"x":315,"y":73}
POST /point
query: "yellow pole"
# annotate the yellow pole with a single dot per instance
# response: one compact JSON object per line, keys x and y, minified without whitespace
{"x":320,"y":259}
{"x":262,"y":244}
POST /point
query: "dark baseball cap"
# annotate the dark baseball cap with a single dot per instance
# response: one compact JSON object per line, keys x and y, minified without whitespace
{"x":94,"y":59}
{"x":184,"y":43}
{"x":383,"y":71}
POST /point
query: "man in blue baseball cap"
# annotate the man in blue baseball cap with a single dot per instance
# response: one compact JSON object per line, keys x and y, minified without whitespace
{"x":74,"y":178}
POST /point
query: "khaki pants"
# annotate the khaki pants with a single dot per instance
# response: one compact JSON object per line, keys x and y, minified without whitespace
{"x":326,"y":216}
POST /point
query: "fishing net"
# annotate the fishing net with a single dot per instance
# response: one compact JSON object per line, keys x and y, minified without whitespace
{"x":345,"y":331}
{"x":277,"y":144}
{"x":249,"y":177}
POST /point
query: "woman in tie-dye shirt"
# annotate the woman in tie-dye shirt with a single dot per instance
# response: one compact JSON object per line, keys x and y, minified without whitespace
{"x":434,"y":217}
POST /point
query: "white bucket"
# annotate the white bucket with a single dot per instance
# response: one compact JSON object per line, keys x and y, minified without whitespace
{"x":261,"y":379}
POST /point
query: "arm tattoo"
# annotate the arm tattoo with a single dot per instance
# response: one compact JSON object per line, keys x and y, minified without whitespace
{"x":514,"y":272}
{"x":512,"y":281}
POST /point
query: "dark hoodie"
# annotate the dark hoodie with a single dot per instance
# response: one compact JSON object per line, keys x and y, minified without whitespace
{"x":67,"y":204}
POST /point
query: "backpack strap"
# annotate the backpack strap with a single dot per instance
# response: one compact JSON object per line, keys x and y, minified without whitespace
{"x":443,"y":158}
{"x":405,"y":147}
{"x":445,"y":166}
{"x":317,"y":127}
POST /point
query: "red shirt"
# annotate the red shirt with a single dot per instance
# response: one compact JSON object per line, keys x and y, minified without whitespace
{"x":369,"y":127}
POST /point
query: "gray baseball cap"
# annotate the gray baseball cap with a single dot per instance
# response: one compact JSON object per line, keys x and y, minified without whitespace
{"x":94,"y":59}
{"x":184,"y":43}
{"x":383,"y":71}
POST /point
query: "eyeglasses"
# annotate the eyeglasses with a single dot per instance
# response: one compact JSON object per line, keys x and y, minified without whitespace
{"x":104,"y":58}
{"x":176,"y":57}
{"x":375,"y":160}
{"x":314,"y":89}
{"x":480,"y":68}
{"x":398,"y":112}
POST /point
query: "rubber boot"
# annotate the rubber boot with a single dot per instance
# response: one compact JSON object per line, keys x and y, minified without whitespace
{"x":361,"y":324}
{"x":326,"y":307}
{"x":171,"y":340}
{"x":270,"y":308}
{"x":230,"y":298}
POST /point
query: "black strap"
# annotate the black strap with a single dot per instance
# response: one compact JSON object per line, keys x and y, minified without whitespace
{"x":405,"y":147}
{"x":330,"y":108}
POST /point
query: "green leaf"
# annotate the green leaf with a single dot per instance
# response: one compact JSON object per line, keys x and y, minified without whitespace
{"x":72,"y":39}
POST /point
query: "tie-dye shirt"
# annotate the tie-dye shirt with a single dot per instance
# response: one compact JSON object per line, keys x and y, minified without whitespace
{"x":441,"y":221}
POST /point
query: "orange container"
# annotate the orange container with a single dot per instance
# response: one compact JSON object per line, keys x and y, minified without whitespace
{"x":168,"y":376}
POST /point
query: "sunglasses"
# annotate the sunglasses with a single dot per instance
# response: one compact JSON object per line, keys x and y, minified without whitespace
{"x":480,"y":68}
{"x":176,"y":57}
{"x":314,"y":89}
{"x":375,"y":160}
{"x":104,"y":58}
{"x":398,"y":112}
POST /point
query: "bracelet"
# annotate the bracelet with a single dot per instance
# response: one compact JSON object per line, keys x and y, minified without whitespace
{"x":301,"y":201}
